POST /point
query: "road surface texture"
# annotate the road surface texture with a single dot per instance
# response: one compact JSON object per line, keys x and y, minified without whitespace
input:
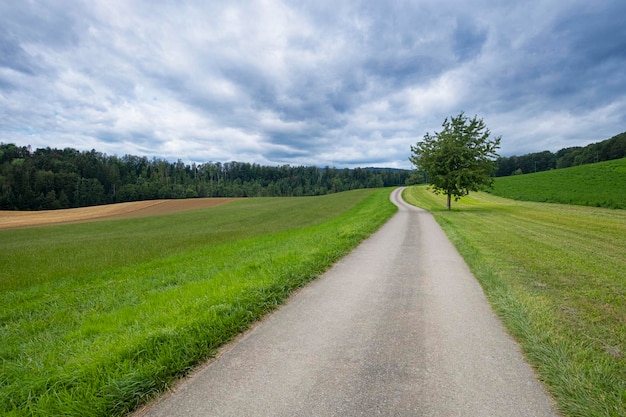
{"x":400,"y":327}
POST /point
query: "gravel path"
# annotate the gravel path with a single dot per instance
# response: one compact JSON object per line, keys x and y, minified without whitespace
{"x":399,"y":327}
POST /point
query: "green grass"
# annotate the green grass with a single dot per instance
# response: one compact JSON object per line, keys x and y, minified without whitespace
{"x":97,"y":318}
{"x":555,"y":274}
{"x":597,"y":185}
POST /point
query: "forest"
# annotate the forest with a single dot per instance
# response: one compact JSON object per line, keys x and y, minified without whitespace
{"x":613,"y":148}
{"x":49,"y":178}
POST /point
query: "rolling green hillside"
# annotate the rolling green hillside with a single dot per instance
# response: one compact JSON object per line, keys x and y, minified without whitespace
{"x":597,"y":185}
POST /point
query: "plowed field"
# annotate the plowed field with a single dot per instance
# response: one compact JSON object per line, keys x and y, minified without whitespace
{"x":12,"y":219}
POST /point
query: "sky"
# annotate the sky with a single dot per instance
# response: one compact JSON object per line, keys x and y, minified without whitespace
{"x":325,"y":83}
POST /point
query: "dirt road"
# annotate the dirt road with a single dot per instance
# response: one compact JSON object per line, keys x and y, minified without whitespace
{"x":399,"y":327}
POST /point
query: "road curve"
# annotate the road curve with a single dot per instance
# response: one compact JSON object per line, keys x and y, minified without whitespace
{"x":399,"y":327}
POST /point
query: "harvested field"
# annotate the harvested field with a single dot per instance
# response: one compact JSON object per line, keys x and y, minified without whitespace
{"x":14,"y":219}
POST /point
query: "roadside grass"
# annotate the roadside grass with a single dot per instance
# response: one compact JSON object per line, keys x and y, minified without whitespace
{"x":113,"y":312}
{"x":555,"y":276}
{"x":597,"y":185}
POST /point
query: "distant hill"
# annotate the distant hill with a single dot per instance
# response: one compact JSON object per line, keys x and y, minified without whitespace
{"x":601,"y":184}
{"x":606,"y":150}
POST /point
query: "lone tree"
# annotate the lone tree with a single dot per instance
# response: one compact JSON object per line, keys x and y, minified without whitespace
{"x":458,"y":159}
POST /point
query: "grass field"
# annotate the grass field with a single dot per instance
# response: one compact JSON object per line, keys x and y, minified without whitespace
{"x":96,"y":318}
{"x":16,"y":219}
{"x":555,"y":274}
{"x":597,"y":185}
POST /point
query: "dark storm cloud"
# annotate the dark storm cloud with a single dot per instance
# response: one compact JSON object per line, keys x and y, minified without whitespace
{"x":468,"y":39}
{"x":13,"y":56}
{"x":52,"y":23}
{"x":324,"y":83}
{"x":592,"y":52}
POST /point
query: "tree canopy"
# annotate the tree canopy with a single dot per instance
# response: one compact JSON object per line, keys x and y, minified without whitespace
{"x":458,"y":159}
{"x":61,"y":178}
{"x":606,"y":150}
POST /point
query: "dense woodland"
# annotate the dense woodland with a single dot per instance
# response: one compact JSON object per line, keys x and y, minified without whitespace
{"x":613,"y":148}
{"x":62,"y":178}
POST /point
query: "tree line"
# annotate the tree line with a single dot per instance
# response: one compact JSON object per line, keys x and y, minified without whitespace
{"x":49,"y":178}
{"x":613,"y":148}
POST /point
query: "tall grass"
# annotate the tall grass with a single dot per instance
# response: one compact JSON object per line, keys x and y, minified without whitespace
{"x":114,"y":311}
{"x":596,"y":185}
{"x":555,"y":275}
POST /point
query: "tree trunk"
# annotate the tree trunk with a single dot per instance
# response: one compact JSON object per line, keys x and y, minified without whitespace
{"x":449,"y":201}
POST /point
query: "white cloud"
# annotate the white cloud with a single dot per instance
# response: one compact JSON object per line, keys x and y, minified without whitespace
{"x":321,"y":83}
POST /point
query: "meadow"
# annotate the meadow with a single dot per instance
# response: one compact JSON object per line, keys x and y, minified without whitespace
{"x":98,"y":318}
{"x":598,"y":185}
{"x":554,"y":274}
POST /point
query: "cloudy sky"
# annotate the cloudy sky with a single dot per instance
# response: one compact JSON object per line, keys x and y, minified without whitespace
{"x":339,"y":83}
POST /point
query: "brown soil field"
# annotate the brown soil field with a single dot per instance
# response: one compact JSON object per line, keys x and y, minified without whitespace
{"x":14,"y":219}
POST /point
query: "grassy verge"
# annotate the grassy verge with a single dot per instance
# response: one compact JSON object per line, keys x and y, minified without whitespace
{"x":597,"y":185}
{"x":97,"y":318}
{"x":555,"y":276}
